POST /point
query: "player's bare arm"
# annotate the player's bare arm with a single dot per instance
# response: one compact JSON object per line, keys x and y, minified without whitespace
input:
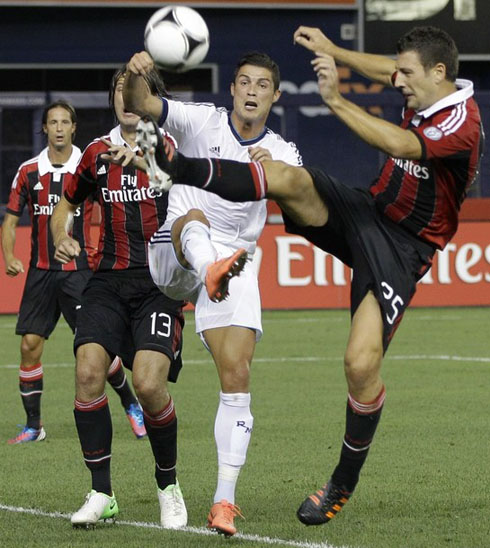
{"x":136,"y":93}
{"x":13,"y":265}
{"x":375,"y":67}
{"x":391,"y":139}
{"x":66,"y":248}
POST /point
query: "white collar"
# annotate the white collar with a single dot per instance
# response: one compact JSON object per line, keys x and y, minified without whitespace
{"x":116,"y":137}
{"x":44,"y":164}
{"x":464,"y":91}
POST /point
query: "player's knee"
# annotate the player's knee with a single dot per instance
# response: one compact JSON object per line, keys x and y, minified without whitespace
{"x":362,"y":365}
{"x":288,"y":181}
{"x":90,"y":372}
{"x":195,"y":214}
{"x":153,"y":397}
{"x":31,"y":346}
{"x":235,"y":377}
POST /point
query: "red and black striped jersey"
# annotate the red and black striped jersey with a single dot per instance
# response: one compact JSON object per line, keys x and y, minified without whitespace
{"x":131,"y":211}
{"x":39,"y":185}
{"x":424,"y":196}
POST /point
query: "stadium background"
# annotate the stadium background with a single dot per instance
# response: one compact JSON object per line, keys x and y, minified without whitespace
{"x":69,"y":49}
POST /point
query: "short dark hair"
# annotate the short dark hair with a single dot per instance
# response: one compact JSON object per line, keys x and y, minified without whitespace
{"x":61,"y":104}
{"x":259,"y":59}
{"x":153,"y":79}
{"x":434,"y":46}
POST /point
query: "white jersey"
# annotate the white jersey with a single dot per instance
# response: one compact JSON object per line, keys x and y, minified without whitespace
{"x":205,"y":131}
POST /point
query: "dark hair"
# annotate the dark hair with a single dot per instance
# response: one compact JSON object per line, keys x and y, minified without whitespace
{"x":259,"y":59}
{"x":153,"y":79}
{"x":433,"y":46}
{"x":59,"y":104}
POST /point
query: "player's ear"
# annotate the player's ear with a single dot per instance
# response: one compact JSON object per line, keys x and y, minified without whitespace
{"x":439,"y":72}
{"x":276,"y":96}
{"x":45,"y":129}
{"x":232,"y":89}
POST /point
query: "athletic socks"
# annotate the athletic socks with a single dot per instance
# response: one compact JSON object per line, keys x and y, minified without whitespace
{"x":232,"y":429}
{"x":197,"y":248}
{"x":119,"y":382}
{"x":31,"y":390}
{"x":234,"y":181}
{"x":94,"y":426}
{"x":361,"y":422}
{"x":162,"y":433}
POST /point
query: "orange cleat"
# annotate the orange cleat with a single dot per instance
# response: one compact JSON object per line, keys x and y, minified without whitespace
{"x":221,"y":516}
{"x":219,"y":274}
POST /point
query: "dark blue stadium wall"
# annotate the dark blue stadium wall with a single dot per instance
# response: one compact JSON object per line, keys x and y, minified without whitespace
{"x":52,"y":36}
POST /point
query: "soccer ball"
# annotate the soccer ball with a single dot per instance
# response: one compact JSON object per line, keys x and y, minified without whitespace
{"x":177,"y":38}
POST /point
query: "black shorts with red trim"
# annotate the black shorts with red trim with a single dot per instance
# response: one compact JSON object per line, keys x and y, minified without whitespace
{"x":48,"y":294}
{"x":124,"y":312}
{"x":384,"y":257}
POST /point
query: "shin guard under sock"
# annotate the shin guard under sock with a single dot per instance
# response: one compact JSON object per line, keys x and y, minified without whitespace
{"x":361,"y":423}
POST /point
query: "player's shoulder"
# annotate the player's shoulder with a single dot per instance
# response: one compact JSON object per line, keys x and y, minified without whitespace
{"x":271,"y":138}
{"x":30,"y":165}
{"x":96,"y":146}
{"x":458,"y":118}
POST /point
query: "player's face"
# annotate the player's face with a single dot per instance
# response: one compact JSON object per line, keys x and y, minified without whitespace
{"x":417,"y":85}
{"x":128,"y":120}
{"x":59,"y":128}
{"x":253,"y":94}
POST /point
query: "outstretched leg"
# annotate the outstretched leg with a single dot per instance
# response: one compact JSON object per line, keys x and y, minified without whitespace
{"x":291,"y":187}
{"x":191,"y":238}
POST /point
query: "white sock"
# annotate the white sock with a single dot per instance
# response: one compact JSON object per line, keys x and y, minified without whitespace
{"x":232,"y":430}
{"x":197,"y":247}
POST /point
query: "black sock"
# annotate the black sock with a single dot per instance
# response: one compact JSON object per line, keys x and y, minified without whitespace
{"x":94,"y":426}
{"x":120,"y":384}
{"x":31,"y":390}
{"x":234,"y":181}
{"x":361,"y":423}
{"x":162,"y":433}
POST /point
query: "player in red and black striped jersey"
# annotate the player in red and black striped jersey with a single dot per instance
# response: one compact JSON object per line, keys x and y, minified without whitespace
{"x":123,"y":312}
{"x":131,"y":211}
{"x":388,"y":233}
{"x":51,"y":288}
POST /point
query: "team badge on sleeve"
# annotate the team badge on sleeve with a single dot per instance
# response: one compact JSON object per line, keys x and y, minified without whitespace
{"x":433,"y":133}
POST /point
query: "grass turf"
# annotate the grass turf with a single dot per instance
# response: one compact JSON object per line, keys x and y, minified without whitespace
{"x":425,"y":483}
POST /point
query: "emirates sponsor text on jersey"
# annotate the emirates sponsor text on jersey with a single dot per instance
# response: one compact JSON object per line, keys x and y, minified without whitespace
{"x":412,"y":168}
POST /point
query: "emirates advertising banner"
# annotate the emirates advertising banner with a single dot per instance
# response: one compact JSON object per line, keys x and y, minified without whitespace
{"x":465,"y":20}
{"x":294,"y":274}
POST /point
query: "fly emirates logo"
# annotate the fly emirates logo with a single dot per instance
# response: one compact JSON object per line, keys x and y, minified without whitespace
{"x":129,"y":191}
{"x":47,"y":209}
{"x":421,"y":172}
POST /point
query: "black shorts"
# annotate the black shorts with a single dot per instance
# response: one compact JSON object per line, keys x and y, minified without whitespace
{"x":384,"y":257}
{"x":47,"y":294}
{"x":125,"y":312}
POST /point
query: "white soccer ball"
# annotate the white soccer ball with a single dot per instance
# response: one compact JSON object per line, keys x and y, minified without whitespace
{"x":177,"y":38}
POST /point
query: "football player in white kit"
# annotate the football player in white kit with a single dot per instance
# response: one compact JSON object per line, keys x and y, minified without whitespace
{"x":205,"y":237}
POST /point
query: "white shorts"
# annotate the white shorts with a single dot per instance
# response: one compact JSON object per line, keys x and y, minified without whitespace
{"x":242,"y":308}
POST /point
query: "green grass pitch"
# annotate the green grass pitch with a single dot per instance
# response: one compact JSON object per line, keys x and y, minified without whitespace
{"x":426,"y":483}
